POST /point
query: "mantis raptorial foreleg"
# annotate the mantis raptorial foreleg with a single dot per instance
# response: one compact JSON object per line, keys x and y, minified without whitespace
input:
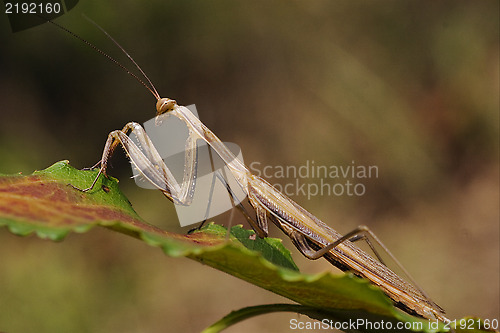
{"x":149,"y":163}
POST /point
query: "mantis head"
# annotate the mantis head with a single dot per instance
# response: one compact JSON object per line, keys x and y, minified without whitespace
{"x":164,"y":105}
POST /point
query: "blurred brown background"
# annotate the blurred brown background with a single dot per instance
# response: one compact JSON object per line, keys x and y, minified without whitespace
{"x":409,"y":86}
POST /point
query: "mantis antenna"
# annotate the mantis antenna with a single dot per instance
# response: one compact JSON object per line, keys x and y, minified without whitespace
{"x":149,"y":87}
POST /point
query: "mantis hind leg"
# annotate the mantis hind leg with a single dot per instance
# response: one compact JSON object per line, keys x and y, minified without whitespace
{"x":360,"y":233}
{"x":259,"y":226}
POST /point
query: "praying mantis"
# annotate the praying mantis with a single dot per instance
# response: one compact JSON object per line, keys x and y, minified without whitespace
{"x":312,"y":237}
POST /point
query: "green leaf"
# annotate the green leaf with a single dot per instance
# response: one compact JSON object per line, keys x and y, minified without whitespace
{"x":45,"y":204}
{"x":328,"y":319}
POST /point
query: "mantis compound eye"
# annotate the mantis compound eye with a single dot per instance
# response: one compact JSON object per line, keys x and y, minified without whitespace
{"x":164,"y":105}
